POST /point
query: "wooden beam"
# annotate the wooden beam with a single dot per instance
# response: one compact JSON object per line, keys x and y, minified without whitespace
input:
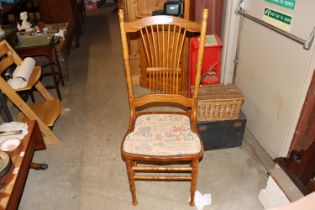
{"x":162,"y":178}
{"x":161,"y":169}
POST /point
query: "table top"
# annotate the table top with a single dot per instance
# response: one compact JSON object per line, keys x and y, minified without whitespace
{"x":42,"y":40}
{"x":55,"y":27}
{"x":8,"y":182}
{"x":26,"y":41}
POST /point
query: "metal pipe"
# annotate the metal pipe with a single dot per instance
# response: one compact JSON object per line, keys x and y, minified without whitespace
{"x":239,"y":32}
{"x":237,"y":52}
{"x":306,"y":43}
{"x":267,"y":25}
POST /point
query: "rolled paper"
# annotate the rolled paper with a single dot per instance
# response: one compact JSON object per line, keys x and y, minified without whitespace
{"x":25,"y":69}
{"x":17,"y":83}
{"x":22,"y":73}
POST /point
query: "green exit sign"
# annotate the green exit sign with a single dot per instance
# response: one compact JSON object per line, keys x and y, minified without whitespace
{"x":289,"y":4}
{"x":286,"y":19}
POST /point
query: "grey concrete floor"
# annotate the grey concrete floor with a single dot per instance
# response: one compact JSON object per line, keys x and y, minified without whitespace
{"x":85,"y":169}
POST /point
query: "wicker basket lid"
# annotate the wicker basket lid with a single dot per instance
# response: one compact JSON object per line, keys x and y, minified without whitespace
{"x":219,"y":92}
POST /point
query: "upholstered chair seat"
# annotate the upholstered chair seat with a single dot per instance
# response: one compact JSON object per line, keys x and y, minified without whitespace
{"x":162,"y":135}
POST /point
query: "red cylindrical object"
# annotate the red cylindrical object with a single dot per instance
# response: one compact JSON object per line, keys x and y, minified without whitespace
{"x":210,"y":72}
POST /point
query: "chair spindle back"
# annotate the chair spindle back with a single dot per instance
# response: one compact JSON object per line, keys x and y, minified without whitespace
{"x":163,"y":46}
{"x":163,"y":39}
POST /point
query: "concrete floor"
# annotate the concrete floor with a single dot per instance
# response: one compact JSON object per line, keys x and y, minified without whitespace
{"x":86,"y":171}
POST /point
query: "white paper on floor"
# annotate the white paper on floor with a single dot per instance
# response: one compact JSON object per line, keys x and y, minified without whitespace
{"x":67,"y":109}
{"x":202,"y":200}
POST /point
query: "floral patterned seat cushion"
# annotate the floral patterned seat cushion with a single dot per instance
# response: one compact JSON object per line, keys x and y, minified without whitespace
{"x":162,"y":135}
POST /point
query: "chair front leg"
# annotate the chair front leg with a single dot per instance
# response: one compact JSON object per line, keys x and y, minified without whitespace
{"x":194,"y":176}
{"x":131,"y":180}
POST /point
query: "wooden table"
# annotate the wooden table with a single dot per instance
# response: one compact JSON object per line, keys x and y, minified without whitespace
{"x":12,"y":184}
{"x":42,"y":45}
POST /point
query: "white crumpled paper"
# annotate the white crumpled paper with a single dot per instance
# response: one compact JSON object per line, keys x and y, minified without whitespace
{"x":202,"y":200}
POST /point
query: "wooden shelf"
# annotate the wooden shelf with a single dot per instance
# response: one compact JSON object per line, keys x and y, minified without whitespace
{"x":47,"y":111}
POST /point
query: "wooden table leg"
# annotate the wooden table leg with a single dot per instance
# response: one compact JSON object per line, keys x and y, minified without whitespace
{"x":54,"y":74}
{"x":39,"y":144}
{"x":60,"y":74}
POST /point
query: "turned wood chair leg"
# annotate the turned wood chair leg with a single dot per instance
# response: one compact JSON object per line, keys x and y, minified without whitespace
{"x":194,"y":176}
{"x":131,"y":180}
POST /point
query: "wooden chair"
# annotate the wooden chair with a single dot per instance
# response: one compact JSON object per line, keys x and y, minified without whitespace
{"x":166,"y":140}
{"x":46,"y":112}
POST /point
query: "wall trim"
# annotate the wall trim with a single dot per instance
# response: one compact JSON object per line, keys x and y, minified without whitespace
{"x":231,"y":26}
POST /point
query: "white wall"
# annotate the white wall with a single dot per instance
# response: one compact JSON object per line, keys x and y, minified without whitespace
{"x":231,"y":27}
{"x":273,"y":73}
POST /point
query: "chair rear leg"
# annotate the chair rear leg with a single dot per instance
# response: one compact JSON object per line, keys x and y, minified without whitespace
{"x":194,"y":176}
{"x":131,"y":180}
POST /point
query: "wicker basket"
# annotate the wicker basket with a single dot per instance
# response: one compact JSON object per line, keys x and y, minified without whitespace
{"x":219,"y":102}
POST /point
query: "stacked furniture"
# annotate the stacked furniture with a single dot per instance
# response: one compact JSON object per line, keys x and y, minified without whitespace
{"x":43,"y":45}
{"x":220,"y":121}
{"x":45,"y":112}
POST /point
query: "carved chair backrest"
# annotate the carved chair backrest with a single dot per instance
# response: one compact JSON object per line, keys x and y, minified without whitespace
{"x":163,"y":38}
{"x":163,"y":46}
